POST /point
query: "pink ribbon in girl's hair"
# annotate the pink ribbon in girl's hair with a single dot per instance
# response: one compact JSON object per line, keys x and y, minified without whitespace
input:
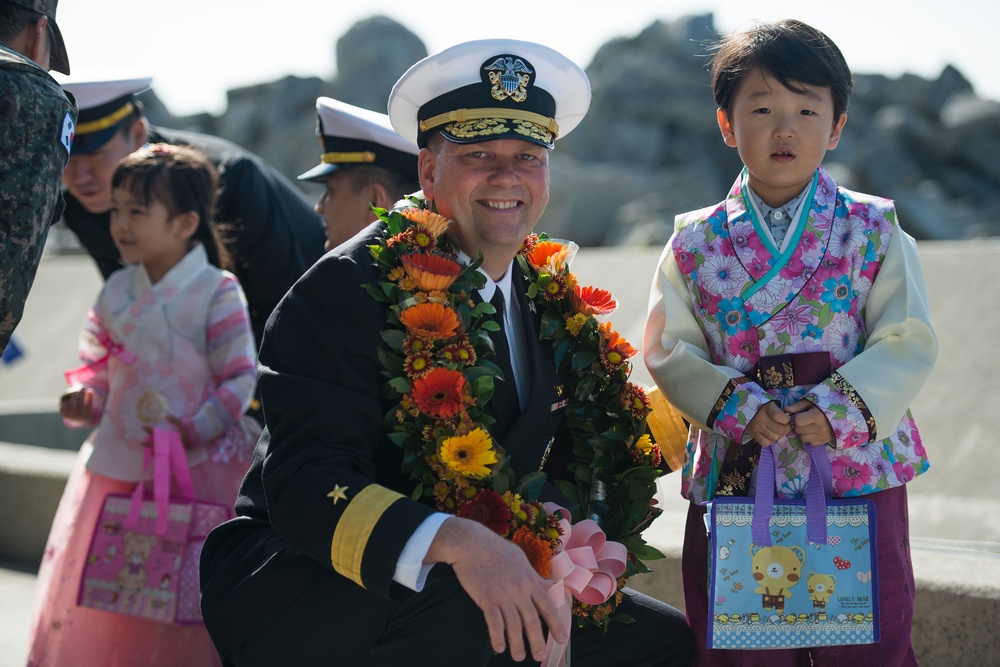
{"x":587,"y":568}
{"x":91,"y":368}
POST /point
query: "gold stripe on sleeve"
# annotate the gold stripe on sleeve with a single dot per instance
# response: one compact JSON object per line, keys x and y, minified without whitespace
{"x":355,"y":527}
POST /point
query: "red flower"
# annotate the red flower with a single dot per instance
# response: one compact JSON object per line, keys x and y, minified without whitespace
{"x":489,"y":509}
{"x":593,"y":301}
{"x":440,"y":393}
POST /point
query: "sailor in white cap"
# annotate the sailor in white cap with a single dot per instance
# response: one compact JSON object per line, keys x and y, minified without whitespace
{"x":363,"y":163}
{"x":270,"y":228}
{"x":336,"y":556}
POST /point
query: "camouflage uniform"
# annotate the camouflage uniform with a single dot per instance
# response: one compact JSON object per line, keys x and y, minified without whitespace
{"x":37,"y":121}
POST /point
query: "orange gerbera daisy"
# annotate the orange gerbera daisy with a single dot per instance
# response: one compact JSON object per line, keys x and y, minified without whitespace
{"x":538,"y":550}
{"x":430,"y":320}
{"x":548,"y":254}
{"x":433,"y":223}
{"x":440,"y":393}
{"x":431,"y":272}
{"x":593,"y":301}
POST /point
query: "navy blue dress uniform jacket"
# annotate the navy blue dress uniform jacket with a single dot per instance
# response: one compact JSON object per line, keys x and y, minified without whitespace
{"x":275,"y":233}
{"x":320,"y":383}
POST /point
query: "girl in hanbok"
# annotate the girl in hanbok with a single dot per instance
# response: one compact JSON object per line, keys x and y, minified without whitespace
{"x":792,"y":312}
{"x":168,"y":345}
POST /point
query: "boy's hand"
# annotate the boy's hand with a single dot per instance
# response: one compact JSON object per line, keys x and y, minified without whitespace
{"x":811,"y":423}
{"x":77,"y":404}
{"x":769,"y":424}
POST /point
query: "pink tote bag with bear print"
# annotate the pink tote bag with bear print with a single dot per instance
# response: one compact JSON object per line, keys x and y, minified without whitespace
{"x":143,"y":557}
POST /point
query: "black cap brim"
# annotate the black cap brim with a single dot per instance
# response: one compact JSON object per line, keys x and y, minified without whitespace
{"x":319,"y":173}
{"x":58,"y":60}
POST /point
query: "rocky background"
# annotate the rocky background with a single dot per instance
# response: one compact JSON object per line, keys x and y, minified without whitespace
{"x":650,"y":148}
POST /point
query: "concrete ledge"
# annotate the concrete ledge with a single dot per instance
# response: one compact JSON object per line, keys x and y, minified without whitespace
{"x":958,"y":583}
{"x":31,"y":484}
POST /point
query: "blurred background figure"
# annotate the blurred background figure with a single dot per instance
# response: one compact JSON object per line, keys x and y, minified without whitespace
{"x":364,"y":163}
{"x":266,"y":223}
{"x":36,"y":130}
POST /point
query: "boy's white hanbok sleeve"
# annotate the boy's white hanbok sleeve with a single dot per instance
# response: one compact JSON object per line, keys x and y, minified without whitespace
{"x":883,"y":379}
{"x":677,"y":356}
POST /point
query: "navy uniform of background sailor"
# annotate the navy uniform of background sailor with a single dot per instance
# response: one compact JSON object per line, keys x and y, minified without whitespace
{"x":269,"y":226}
{"x":270,"y":594}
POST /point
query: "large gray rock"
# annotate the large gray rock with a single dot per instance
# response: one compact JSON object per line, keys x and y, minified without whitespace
{"x":650,"y":147}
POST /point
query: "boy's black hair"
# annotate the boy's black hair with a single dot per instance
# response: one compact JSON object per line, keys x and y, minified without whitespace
{"x":789,"y":51}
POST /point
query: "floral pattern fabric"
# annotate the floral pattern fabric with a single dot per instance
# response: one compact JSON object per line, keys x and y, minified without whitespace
{"x":751,"y":302}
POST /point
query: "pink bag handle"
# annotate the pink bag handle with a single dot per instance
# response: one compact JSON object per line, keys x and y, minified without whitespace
{"x":168,"y":456}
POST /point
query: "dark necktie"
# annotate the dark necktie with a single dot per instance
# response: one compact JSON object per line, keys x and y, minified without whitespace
{"x":505,"y":400}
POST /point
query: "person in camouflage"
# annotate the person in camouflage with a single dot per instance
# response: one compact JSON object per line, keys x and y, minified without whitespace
{"x":37,"y":122}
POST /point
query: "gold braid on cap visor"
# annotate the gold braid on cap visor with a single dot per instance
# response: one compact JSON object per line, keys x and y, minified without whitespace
{"x":466,"y":122}
{"x":104,"y":123}
{"x":336,"y":158}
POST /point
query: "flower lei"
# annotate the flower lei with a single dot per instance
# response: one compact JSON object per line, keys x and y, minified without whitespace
{"x":437,"y":358}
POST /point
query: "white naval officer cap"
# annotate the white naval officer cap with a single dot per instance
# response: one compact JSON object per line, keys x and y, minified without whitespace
{"x":103,"y":107}
{"x":350,"y":136}
{"x":491,"y":89}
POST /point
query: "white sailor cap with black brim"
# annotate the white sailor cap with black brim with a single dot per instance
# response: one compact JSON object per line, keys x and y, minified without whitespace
{"x":103,"y":107}
{"x":350,"y":136}
{"x":491,"y":89}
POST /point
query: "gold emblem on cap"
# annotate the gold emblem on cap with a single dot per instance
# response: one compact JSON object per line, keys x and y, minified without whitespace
{"x":510,"y":77}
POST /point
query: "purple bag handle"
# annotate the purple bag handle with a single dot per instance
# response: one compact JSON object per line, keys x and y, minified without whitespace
{"x":818,"y":492}
{"x":168,"y":456}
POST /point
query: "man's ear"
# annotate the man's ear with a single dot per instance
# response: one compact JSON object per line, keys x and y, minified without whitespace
{"x":837,"y":130}
{"x":426,"y":161}
{"x":35,"y":40}
{"x":379,"y":196}
{"x":138,"y":134}
{"x":726,"y":127}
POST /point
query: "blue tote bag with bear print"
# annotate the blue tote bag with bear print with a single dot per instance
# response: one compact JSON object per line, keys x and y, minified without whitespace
{"x":792,"y":573}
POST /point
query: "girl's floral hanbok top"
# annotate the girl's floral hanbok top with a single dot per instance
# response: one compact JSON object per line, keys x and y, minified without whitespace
{"x":734,"y":320}
{"x":180,"y":347}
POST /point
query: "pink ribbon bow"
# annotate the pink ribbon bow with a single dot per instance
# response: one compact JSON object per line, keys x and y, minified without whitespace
{"x":587,"y":567}
{"x":91,"y":368}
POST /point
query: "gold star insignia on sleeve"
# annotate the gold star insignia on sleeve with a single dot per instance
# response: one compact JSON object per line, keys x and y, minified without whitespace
{"x":338,"y":493}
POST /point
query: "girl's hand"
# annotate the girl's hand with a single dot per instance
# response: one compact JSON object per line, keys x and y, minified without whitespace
{"x":178,"y":426}
{"x":811,"y":423}
{"x":769,"y":424}
{"x":77,"y":404}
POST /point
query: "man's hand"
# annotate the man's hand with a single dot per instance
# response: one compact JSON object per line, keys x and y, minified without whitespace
{"x":769,"y":424}
{"x":811,"y":423}
{"x":498,"y":577}
{"x":77,"y":404}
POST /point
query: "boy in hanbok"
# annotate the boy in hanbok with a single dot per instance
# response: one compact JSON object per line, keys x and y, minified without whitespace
{"x":168,"y":345}
{"x":792,"y":312}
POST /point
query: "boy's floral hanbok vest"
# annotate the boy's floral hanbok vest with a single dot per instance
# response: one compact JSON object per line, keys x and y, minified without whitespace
{"x":753,"y":302}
